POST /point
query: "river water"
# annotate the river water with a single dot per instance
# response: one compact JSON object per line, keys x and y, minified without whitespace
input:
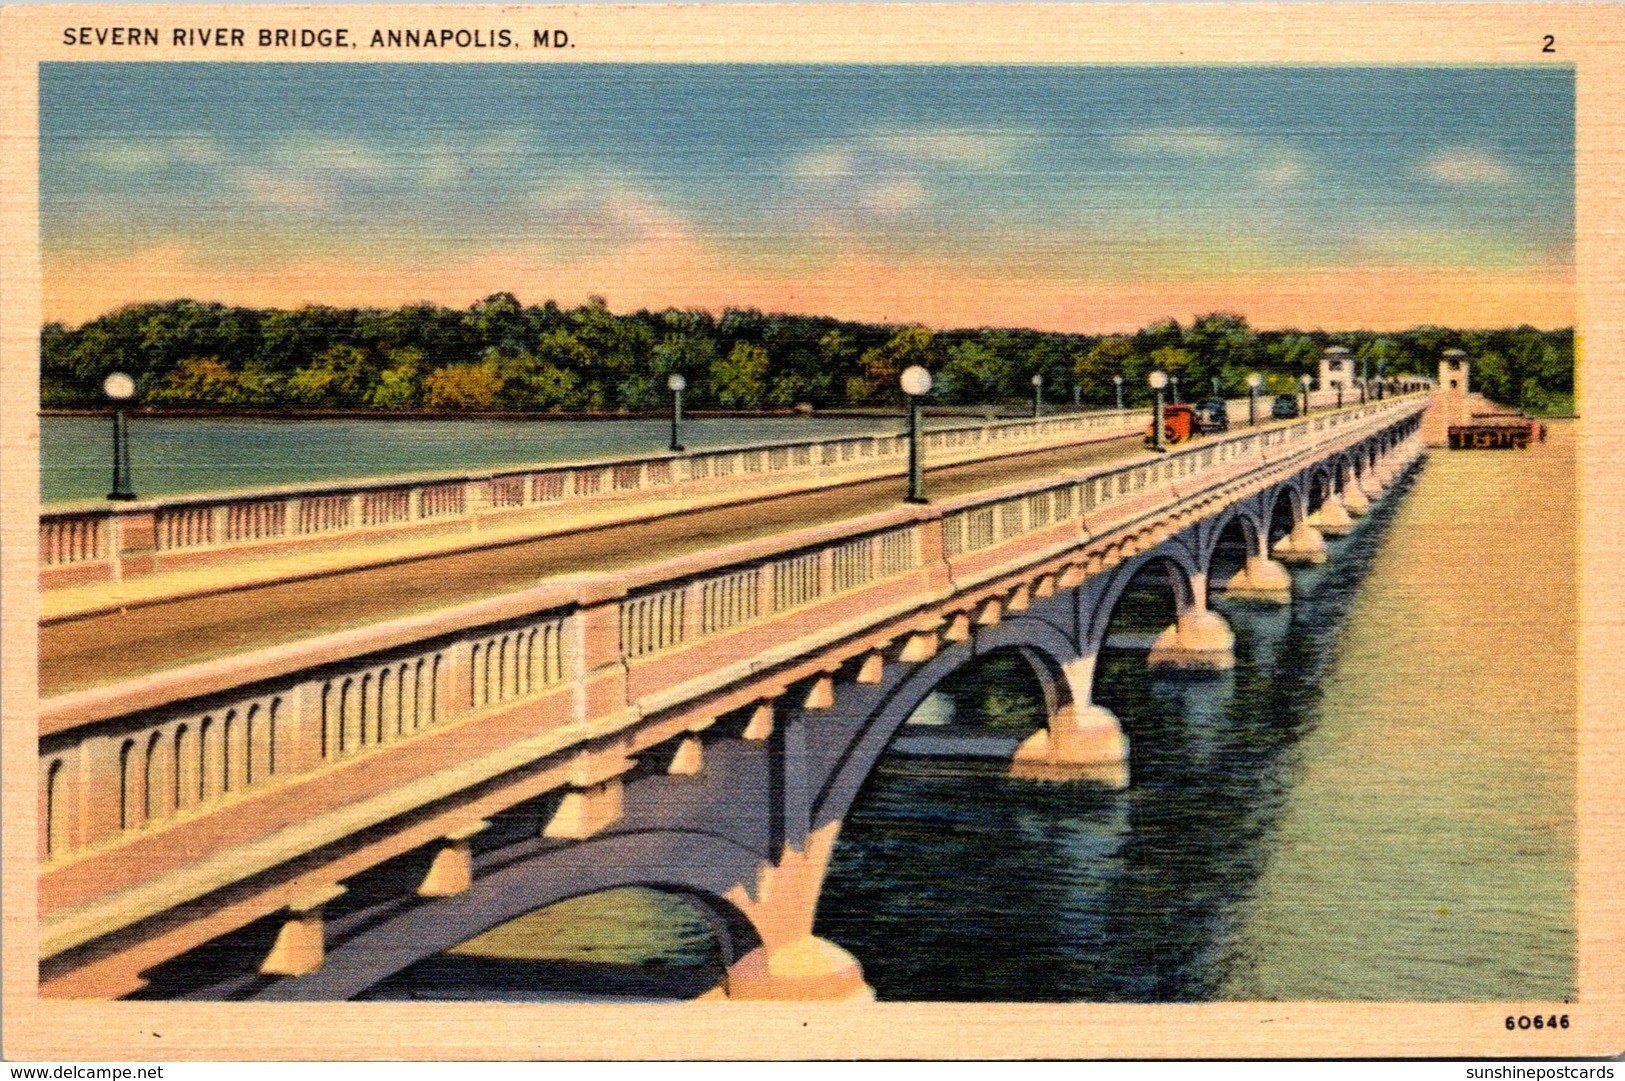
{"x":171,"y":455}
{"x":1377,"y":803}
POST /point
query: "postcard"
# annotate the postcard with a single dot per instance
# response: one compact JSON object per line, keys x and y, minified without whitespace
{"x":812,"y":531}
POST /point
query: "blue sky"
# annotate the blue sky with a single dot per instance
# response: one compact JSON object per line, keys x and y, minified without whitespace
{"x":964,"y":194}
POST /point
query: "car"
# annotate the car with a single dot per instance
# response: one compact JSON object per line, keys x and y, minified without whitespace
{"x":1285,"y":407}
{"x":1178,"y":425}
{"x":1213,"y":416}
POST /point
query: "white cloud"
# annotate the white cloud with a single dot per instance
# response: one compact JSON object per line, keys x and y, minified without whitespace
{"x":1283,"y":173}
{"x":962,"y":147}
{"x":894,"y":196}
{"x":827,"y":164}
{"x":280,"y":191}
{"x":1180,"y":142}
{"x":607,"y":209}
{"x":141,"y":155}
{"x":1463,"y":166}
{"x":349,"y":157}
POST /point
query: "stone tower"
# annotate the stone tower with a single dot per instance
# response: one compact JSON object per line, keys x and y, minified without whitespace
{"x":1336,"y":369}
{"x":1453,"y":372}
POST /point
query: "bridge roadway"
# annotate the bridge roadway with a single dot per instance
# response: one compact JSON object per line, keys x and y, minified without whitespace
{"x":118,"y":645}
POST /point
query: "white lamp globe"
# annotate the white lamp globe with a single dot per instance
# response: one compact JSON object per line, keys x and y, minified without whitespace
{"x":118,"y":387}
{"x":1306,"y":380}
{"x":1157,"y":379}
{"x":676,"y":382}
{"x":916,"y":381}
{"x":1117,"y":379}
{"x":1255,"y":380}
{"x":1038,"y":380}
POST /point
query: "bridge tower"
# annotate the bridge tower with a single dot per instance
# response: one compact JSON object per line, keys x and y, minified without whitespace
{"x":1336,"y":369}
{"x":1453,"y":369}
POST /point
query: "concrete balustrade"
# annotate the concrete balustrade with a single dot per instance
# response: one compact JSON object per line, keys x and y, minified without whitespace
{"x":100,"y":542}
{"x":569,"y":680}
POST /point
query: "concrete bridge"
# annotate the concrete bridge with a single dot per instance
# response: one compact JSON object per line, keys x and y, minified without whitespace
{"x":699,"y":724}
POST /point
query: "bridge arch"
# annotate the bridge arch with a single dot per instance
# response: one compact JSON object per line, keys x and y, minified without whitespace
{"x":1047,"y":648}
{"x":532,"y":875}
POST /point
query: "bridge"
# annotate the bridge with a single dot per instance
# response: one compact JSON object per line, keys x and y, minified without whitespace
{"x":318,"y":781}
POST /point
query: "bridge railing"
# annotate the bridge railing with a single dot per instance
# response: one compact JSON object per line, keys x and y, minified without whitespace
{"x":89,"y":543}
{"x":131,"y":774}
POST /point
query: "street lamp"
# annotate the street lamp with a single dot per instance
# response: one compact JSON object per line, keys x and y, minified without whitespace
{"x":1215,"y":386}
{"x":120,"y":388}
{"x":1305,"y":379}
{"x":1118,"y":381}
{"x":916,"y":383}
{"x":1173,"y":388}
{"x":676,"y":384}
{"x":1158,"y":380}
{"x":1340,"y":395}
{"x":1038,"y":393}
{"x":1254,"y":381}
{"x":1077,"y":394}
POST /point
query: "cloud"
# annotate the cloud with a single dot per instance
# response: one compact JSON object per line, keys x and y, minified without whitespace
{"x":137,"y":155}
{"x":826,"y":164}
{"x":894,"y":196}
{"x":962,"y":147}
{"x":1180,"y":142}
{"x":607,"y":210}
{"x":326,"y":153}
{"x":1467,"y":167}
{"x":279,"y":191}
{"x":1283,"y":173}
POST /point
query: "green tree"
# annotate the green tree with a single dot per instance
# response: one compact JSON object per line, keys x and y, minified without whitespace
{"x":740,"y":378}
{"x":462,"y":386}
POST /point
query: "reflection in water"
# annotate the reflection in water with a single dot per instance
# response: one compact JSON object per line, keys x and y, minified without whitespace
{"x":1376,"y":803}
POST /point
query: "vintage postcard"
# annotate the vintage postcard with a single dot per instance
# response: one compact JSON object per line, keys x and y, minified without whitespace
{"x":812,"y":531}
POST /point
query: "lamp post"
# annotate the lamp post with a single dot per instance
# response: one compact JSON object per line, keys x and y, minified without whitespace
{"x":1038,"y":394}
{"x":1215,"y":386}
{"x":676,"y":384}
{"x":1381,"y":390}
{"x":1306,"y":380}
{"x":1158,"y":380}
{"x":916,"y":383}
{"x":120,"y":388}
{"x":1173,"y":388}
{"x":1340,"y":395}
{"x":1077,"y":394}
{"x":1117,"y":380}
{"x":1254,"y":381}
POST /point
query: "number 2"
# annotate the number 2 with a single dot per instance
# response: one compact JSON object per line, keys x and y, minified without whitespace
{"x":1549,"y":44}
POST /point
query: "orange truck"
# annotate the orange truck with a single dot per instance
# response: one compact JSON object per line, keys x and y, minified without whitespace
{"x":1178,"y":424}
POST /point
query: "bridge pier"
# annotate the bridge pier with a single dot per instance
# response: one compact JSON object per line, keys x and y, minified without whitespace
{"x":792,"y":964}
{"x":1199,"y":641}
{"x":1304,"y":545}
{"x":1082,"y":742}
{"x":1332,"y":519}
{"x":1355,"y":501}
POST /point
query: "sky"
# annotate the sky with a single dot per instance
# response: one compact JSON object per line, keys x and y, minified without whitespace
{"x":1090,"y":198}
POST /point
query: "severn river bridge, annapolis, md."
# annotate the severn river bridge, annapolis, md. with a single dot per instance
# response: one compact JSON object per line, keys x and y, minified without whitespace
{"x":260,"y":709}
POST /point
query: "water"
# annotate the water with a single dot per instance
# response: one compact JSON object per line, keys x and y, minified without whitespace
{"x":1378,"y":803}
{"x":172,"y":455}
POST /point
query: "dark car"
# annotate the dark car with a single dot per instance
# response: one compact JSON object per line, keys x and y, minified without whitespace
{"x":1214,"y":416}
{"x":1285,"y":407}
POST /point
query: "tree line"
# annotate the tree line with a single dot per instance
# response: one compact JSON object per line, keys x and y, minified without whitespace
{"x":501,"y":355}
